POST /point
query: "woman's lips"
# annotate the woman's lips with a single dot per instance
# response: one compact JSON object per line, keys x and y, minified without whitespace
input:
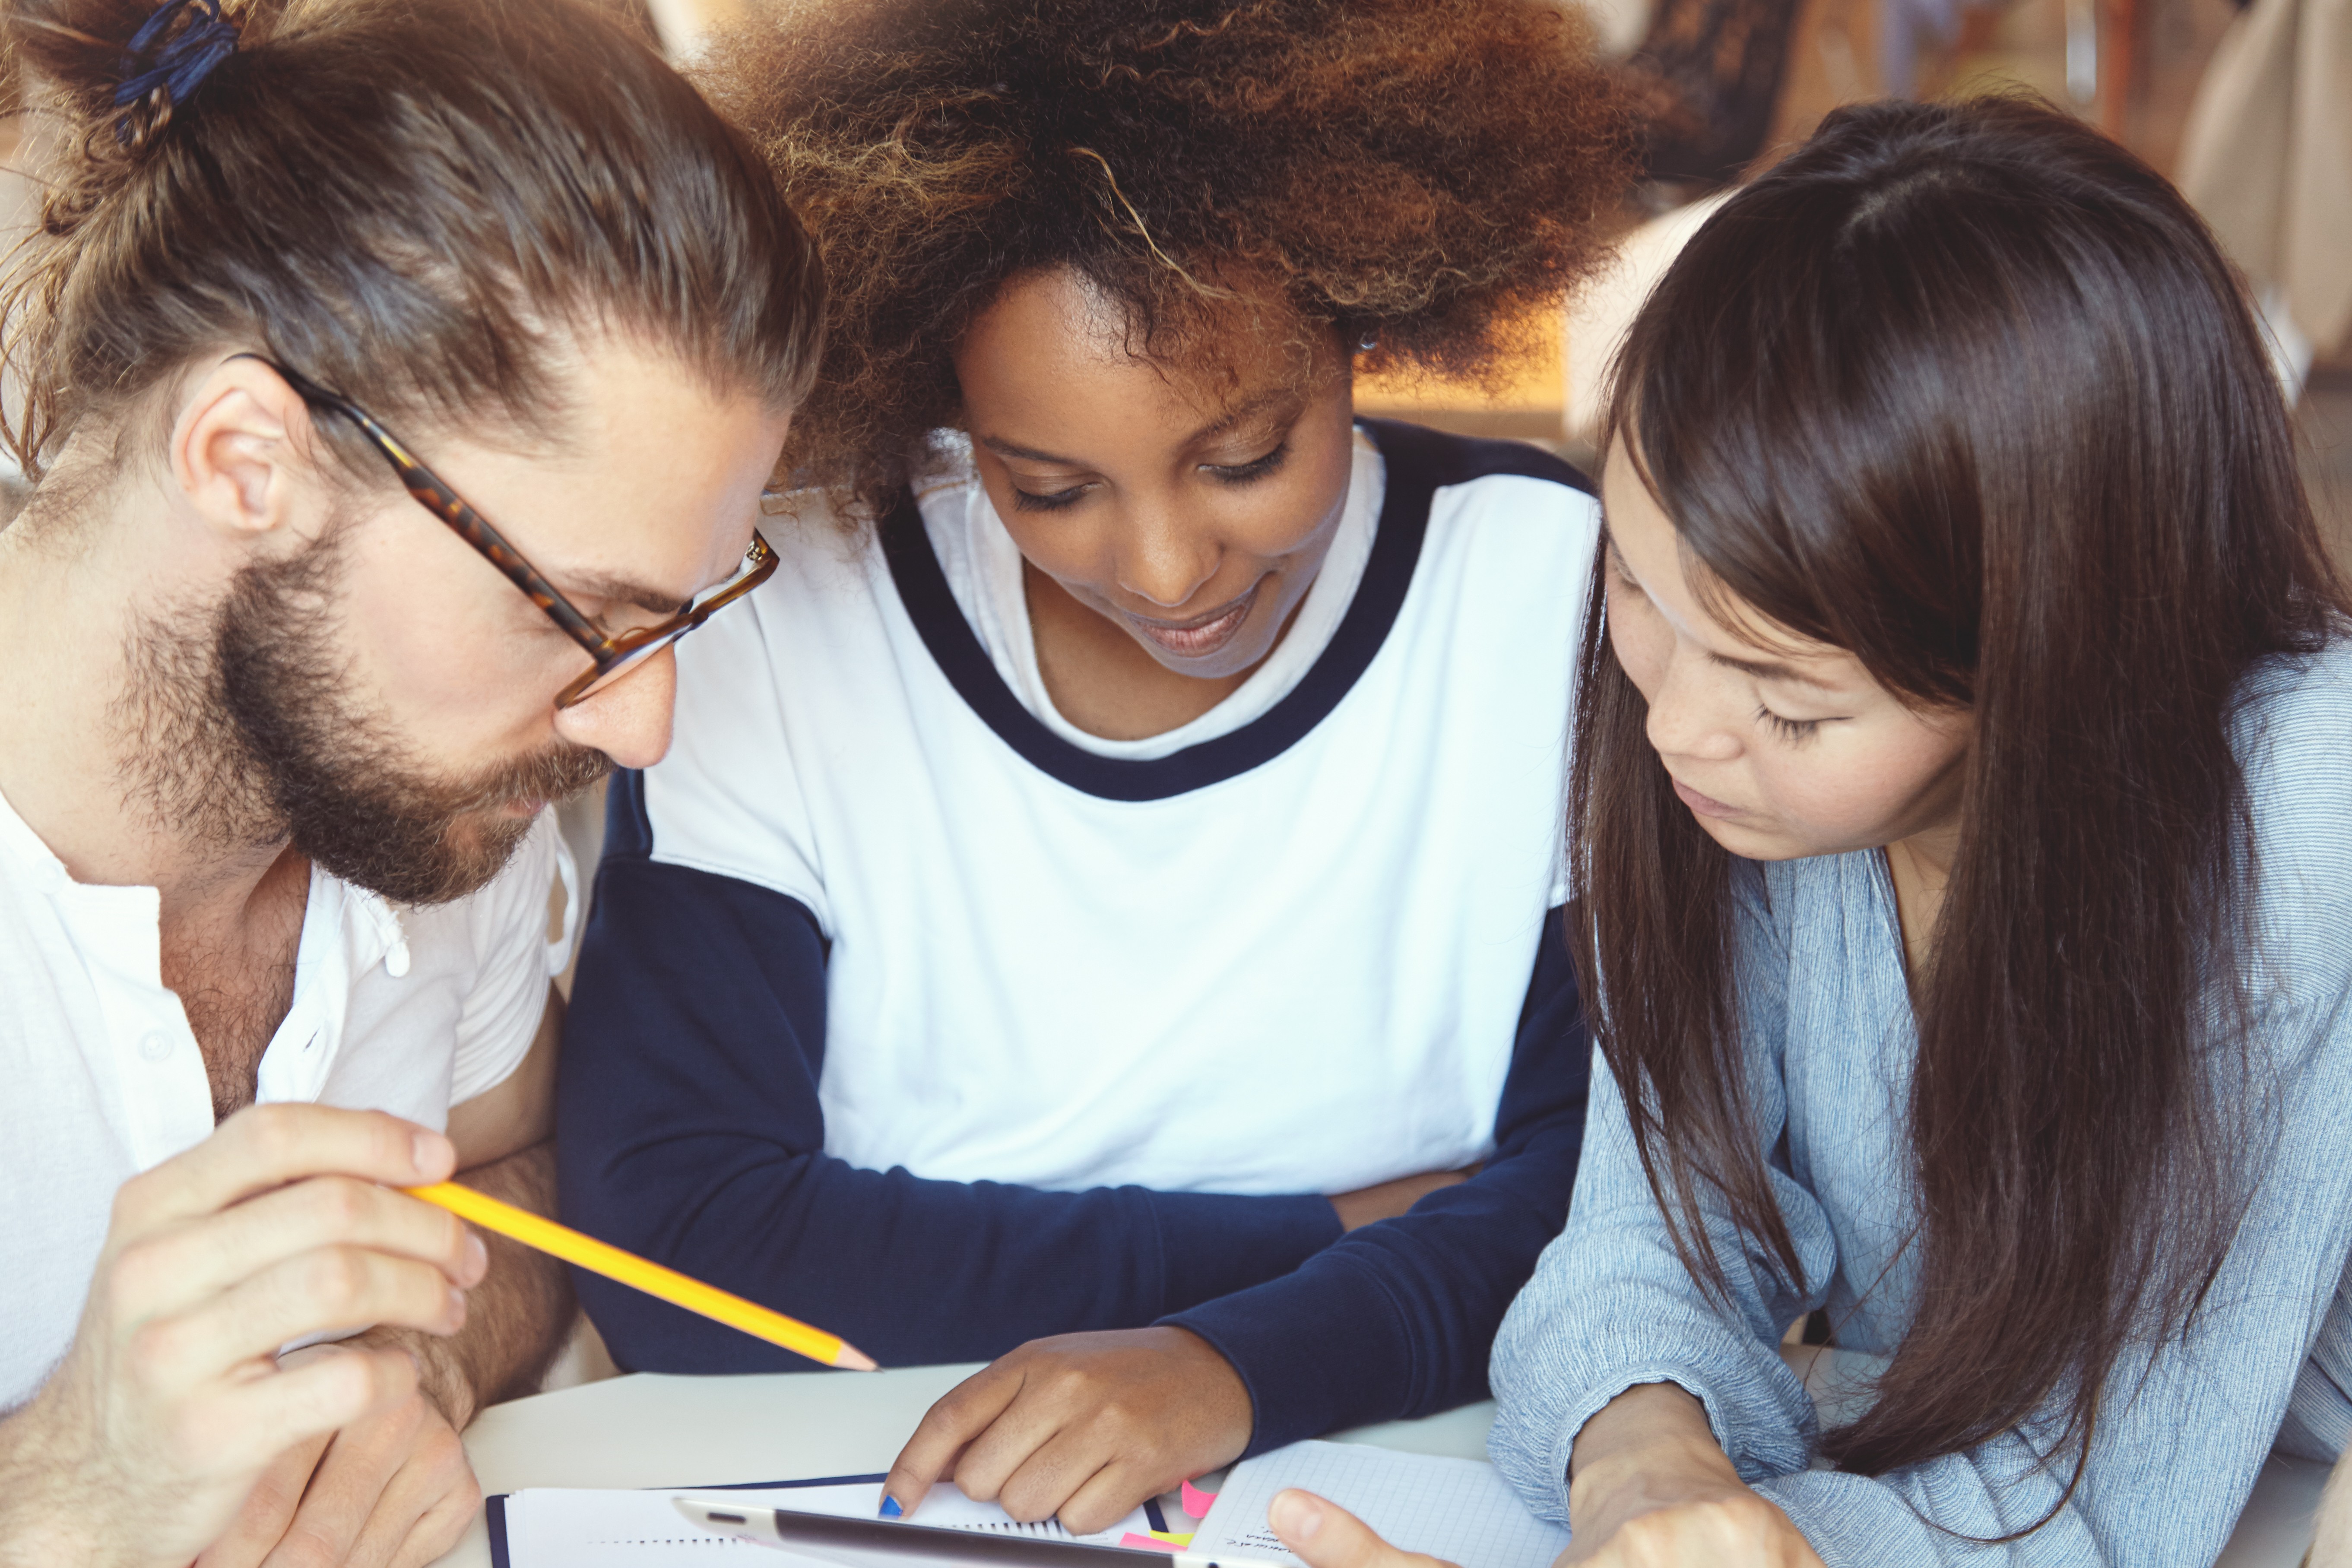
{"x":1202,"y":634}
{"x":1705,"y":804}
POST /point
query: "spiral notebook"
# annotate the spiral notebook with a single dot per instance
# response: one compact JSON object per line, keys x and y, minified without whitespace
{"x":1456,"y":1510}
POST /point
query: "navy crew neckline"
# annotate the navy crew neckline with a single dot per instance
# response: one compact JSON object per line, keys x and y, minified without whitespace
{"x":1419,"y":462}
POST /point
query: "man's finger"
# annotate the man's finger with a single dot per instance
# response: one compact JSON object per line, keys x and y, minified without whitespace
{"x":258,"y":1420}
{"x":196,"y":1258}
{"x":268,"y":1507}
{"x":360,"y":1462}
{"x":440,"y":1527}
{"x":961,"y":1414}
{"x":1325,"y":1535}
{"x":266,"y":1146}
{"x":433,"y":1482}
{"x":326,"y":1289}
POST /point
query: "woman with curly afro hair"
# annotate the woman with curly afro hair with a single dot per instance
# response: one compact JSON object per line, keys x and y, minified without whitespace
{"x":1103,"y":908}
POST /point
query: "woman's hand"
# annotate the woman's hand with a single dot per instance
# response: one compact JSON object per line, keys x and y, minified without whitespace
{"x":1325,"y":1535}
{"x":1650,"y":1488}
{"x":1082,"y":1425}
{"x":1719,"y":1527}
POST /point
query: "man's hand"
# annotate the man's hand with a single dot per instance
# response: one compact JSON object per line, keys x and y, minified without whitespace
{"x":391,"y":1491}
{"x":1650,"y":1488}
{"x":1390,"y":1199}
{"x":278,"y":1226}
{"x":396,"y":1490}
{"x":1082,"y":1425}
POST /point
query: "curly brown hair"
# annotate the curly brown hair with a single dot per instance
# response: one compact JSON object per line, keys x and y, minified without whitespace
{"x":1433,"y":170}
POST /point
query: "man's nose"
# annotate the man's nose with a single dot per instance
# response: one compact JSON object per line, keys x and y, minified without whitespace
{"x":628,"y":720}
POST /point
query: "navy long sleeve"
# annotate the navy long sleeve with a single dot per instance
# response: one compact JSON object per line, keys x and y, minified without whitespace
{"x":691,"y":1132}
{"x":1395,"y":1319}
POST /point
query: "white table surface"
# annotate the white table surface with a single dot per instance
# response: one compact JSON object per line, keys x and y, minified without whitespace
{"x":650,"y":1431}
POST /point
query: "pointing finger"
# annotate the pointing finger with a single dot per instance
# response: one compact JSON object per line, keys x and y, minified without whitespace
{"x":961,"y":1414}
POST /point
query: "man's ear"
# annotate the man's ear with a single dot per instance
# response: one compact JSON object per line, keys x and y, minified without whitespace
{"x":243,"y":452}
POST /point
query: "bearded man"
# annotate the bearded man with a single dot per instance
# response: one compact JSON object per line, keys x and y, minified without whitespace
{"x":284,"y":701}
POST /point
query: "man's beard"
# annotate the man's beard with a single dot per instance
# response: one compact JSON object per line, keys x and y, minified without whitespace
{"x":245,"y":733}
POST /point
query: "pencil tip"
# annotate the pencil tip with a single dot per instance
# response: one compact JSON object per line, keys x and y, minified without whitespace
{"x":852,"y":1359}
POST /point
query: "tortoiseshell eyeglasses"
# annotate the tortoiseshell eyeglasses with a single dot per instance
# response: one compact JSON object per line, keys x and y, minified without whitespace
{"x":613,"y":656}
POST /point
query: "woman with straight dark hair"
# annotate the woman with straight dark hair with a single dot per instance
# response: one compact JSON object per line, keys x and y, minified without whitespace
{"x":1962,"y":819}
{"x":1963,"y":813}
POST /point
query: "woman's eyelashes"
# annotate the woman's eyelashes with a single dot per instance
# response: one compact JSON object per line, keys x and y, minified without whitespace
{"x":1256,"y":469}
{"x":1619,"y":575}
{"x":1224,"y":473}
{"x":1047,"y":500}
{"x":1790,"y":729}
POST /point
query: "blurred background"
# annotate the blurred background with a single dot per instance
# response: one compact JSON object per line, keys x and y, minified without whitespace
{"x":2248,"y":108}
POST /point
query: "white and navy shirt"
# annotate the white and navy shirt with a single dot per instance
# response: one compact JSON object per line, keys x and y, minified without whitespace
{"x":398,"y":1009}
{"x":911,"y":1010}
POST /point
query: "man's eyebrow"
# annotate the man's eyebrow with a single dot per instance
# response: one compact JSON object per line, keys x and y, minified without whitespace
{"x":621,"y":591}
{"x":1770,"y":670}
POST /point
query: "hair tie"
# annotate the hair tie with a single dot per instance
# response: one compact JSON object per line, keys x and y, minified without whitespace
{"x":180,"y":66}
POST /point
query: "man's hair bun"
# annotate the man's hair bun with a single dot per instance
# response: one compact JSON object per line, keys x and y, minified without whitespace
{"x":412,"y":202}
{"x":122,"y":67}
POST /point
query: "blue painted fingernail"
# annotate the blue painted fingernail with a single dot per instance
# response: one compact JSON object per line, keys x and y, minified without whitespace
{"x":890,"y":1508}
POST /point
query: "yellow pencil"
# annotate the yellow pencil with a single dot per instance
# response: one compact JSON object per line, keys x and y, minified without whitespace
{"x":669,"y":1284}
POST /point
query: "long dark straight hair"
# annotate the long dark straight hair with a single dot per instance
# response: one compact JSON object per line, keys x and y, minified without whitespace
{"x":1970,"y":391}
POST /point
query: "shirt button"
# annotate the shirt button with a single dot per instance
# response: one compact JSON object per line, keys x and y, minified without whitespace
{"x":155,"y":1046}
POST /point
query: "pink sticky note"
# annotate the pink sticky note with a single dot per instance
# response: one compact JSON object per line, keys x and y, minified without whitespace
{"x":1196,"y":1502}
{"x":1135,"y":1543}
